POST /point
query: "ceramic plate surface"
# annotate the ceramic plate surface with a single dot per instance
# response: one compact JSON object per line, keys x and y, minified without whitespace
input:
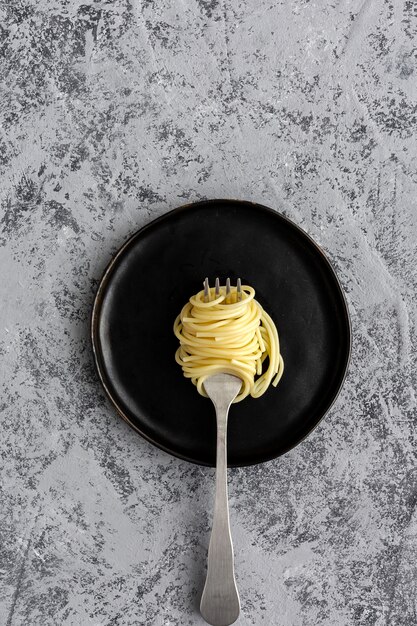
{"x":155,"y":273}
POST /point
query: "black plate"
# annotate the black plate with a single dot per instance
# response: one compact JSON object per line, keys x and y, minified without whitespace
{"x":151,"y":278}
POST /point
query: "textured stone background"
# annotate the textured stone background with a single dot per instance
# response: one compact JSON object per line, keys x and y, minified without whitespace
{"x":113,"y":113}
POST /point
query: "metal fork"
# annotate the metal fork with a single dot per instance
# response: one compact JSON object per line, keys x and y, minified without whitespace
{"x":217,"y":289}
{"x":220,"y":604}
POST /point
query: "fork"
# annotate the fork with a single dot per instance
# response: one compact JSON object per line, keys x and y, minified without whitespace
{"x":220,"y":604}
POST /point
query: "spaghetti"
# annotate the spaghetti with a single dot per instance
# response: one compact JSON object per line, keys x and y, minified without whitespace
{"x":225,"y":334}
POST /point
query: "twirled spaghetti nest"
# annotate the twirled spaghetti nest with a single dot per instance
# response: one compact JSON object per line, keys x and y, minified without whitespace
{"x":227,"y":335}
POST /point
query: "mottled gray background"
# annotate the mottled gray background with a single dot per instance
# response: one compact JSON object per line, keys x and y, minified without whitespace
{"x":113,"y":113}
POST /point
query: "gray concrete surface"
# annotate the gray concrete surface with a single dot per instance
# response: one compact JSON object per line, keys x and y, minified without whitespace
{"x":112,"y":114}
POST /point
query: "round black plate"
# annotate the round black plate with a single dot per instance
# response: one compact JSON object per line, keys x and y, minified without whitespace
{"x":151,"y":278}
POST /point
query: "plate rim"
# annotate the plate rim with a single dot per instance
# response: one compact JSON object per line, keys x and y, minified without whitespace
{"x":98,"y":300}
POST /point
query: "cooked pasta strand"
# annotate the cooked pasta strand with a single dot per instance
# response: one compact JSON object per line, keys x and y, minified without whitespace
{"x":234,"y":337}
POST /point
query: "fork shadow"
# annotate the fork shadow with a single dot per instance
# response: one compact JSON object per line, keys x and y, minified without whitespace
{"x":197,"y":525}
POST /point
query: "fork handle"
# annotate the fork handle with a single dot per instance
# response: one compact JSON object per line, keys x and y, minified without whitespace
{"x":220,"y":605}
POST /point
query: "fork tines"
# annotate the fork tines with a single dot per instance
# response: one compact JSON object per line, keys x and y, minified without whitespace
{"x":217,"y":289}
